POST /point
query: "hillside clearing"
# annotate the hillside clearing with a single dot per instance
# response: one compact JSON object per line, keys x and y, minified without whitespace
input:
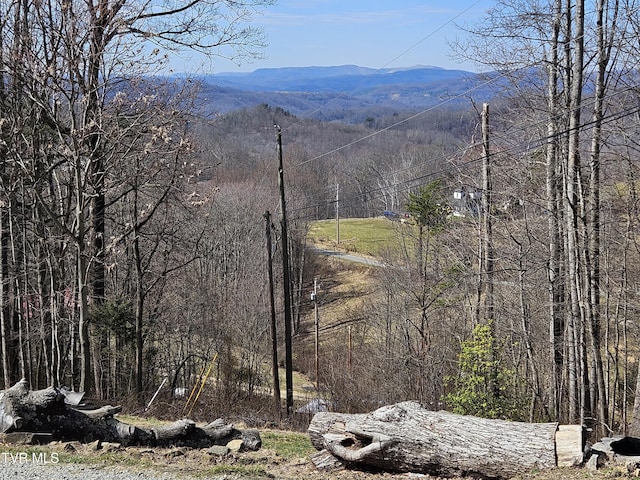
{"x":365,"y":236}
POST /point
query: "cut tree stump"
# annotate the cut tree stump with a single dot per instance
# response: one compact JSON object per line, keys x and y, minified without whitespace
{"x":45,"y":414}
{"x":406,"y":437}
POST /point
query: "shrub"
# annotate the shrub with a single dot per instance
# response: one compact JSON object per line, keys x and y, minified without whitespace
{"x":483,"y":386}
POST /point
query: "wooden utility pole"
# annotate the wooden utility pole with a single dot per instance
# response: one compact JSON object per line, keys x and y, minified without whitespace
{"x":338,"y":213}
{"x":285,"y":279}
{"x":486,"y":207}
{"x":274,"y":330}
{"x":314,"y":297}
{"x":349,"y":346}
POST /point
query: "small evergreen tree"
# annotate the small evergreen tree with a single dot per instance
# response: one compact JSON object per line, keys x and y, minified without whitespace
{"x":430,"y":212}
{"x":428,"y":207}
{"x":484,"y":387}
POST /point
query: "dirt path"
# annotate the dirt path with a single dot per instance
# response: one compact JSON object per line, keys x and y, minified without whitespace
{"x":133,"y":463}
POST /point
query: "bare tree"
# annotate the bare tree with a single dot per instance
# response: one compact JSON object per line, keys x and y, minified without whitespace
{"x":61,"y":61}
{"x":567,"y":55}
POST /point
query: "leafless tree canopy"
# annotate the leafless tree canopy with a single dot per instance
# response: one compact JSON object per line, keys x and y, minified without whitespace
{"x":132,"y":230}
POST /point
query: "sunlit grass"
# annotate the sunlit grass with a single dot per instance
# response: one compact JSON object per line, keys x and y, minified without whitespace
{"x":368,"y":236}
{"x":144,"y":422}
{"x":279,"y":447}
{"x":287,"y":444}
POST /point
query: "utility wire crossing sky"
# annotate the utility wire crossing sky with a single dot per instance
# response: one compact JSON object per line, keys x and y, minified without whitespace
{"x":372,"y":33}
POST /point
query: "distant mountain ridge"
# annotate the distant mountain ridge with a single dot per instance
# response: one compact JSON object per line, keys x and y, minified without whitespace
{"x":349,"y":92}
{"x":339,"y":78}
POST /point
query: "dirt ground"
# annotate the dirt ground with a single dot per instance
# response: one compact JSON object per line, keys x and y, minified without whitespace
{"x":266,"y":464}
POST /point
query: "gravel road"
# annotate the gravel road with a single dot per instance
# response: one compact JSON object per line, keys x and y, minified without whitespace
{"x":348,"y":256}
{"x":41,"y":471}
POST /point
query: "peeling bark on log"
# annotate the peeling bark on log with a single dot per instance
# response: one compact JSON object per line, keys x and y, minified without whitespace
{"x":45,"y":412}
{"x":405,"y":437}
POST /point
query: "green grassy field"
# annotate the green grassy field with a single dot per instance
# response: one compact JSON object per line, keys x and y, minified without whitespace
{"x":367,"y":236}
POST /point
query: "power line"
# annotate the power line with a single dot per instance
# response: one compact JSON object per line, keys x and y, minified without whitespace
{"x":488,"y":82}
{"x":400,"y":122}
{"x":516,"y":149}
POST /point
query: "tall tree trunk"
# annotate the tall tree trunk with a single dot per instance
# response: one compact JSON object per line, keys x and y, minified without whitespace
{"x":633,"y":215}
{"x":18,"y":259}
{"x":82,"y":278}
{"x":572,"y":208}
{"x":100,"y":15}
{"x":555,"y":295}
{"x":593,"y":209}
{"x":5,"y":310}
{"x":138,"y":315}
{"x":487,"y":234}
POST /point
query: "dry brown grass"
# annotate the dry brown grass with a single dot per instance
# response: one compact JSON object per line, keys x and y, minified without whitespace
{"x":284,"y":456}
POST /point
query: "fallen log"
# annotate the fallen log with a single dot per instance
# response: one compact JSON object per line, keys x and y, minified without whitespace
{"x":47,"y":415}
{"x":406,"y":437}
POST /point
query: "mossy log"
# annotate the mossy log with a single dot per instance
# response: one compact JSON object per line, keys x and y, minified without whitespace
{"x":406,"y":437}
{"x":45,"y":411}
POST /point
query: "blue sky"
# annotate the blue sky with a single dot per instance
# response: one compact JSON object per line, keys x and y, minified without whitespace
{"x":368,"y":33}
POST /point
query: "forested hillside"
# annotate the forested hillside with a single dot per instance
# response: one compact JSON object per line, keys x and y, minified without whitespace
{"x":373,"y":164}
{"x":345,"y":93}
{"x":134,"y":235}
